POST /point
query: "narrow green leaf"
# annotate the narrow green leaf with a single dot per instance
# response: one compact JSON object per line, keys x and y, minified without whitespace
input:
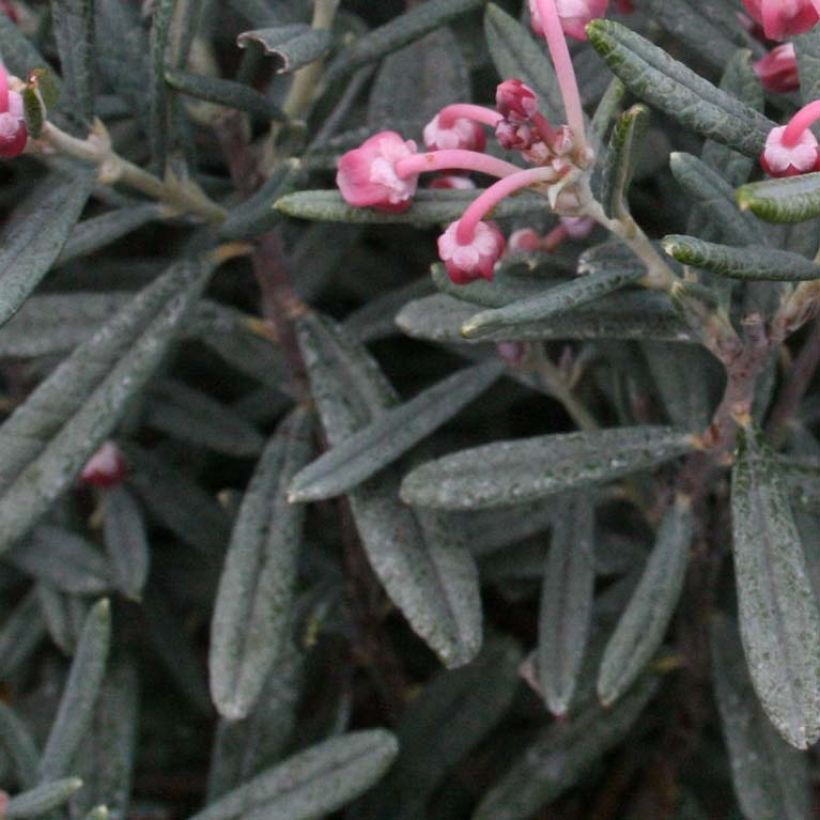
{"x":771,"y":779}
{"x":511,"y":472}
{"x":257,"y":587}
{"x":47,"y":440}
{"x":315,"y":782}
{"x":291,"y":46}
{"x":74,"y":30}
{"x":126,"y":540}
{"x":20,"y":56}
{"x":517,"y":54}
{"x":566,"y":602}
{"x":625,"y":147}
{"x":64,"y":615}
{"x":42,"y":799}
{"x":159,"y":113}
{"x":429,"y":207}
{"x":779,"y":619}
{"x":790,"y":199}
{"x":400,"y":31}
{"x":76,"y":708}
{"x":225,"y":92}
{"x":19,"y":747}
{"x":20,"y":634}
{"x":643,"y":624}
{"x":652,"y":75}
{"x":428,"y":574}
{"x":754,"y":262}
{"x":560,"y":756}
{"x":364,"y":453}
{"x":33,"y":237}
{"x":807,"y":52}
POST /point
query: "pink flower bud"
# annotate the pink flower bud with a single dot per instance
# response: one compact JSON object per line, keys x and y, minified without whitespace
{"x":452,"y":182}
{"x":777,"y":71}
{"x":463,"y":133}
{"x":13,"y":132}
{"x":578,"y":227}
{"x":367,"y":175}
{"x":573,"y":14}
{"x":106,"y":468}
{"x":515,"y":101}
{"x":779,"y":160}
{"x":512,"y":353}
{"x":525,"y":240}
{"x":474,"y":259}
{"x":783,"y":18}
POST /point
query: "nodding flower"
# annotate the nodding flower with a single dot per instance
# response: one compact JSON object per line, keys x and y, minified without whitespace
{"x":777,"y":71}
{"x":784,"y":18}
{"x":459,"y":126}
{"x":106,"y":468}
{"x":792,"y":149}
{"x":573,"y":14}
{"x":467,"y":259}
{"x":13,"y":131}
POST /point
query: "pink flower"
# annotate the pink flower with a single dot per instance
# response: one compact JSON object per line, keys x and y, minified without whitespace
{"x":515,"y":101}
{"x":473,"y":259}
{"x":463,"y":133}
{"x":525,"y":240}
{"x":777,"y":71}
{"x":13,"y":131}
{"x":451,"y":182}
{"x":106,"y":468}
{"x":574,"y":16}
{"x":779,"y":160}
{"x":578,"y":227}
{"x":367,"y":175}
{"x":783,"y":18}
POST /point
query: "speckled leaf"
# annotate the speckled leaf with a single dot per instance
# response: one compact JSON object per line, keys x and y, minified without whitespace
{"x":771,"y":779}
{"x":20,"y":56}
{"x":643,"y":624}
{"x":807,"y":52}
{"x":566,"y":602}
{"x":20,"y":634}
{"x":369,"y":449}
{"x":257,"y":586}
{"x":652,"y":75}
{"x":625,"y":147}
{"x":779,"y":619}
{"x":64,"y":615}
{"x":74,"y":31}
{"x":42,"y":799}
{"x":508,"y":472}
{"x":126,"y":540}
{"x":790,"y":199}
{"x":312,"y":783}
{"x":429,"y":575}
{"x":290,"y":46}
{"x":19,"y":747}
{"x":226,"y":93}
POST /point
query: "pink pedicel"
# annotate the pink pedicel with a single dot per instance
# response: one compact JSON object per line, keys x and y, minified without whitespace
{"x":781,"y":160}
{"x":777,"y":71}
{"x":475,"y":258}
{"x":367,"y":176}
{"x":784,"y":18}
{"x":573,"y":14}
{"x":13,"y":132}
{"x":106,"y":468}
{"x":461,"y":133}
{"x":452,"y":182}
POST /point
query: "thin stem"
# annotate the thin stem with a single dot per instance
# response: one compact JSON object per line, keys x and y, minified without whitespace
{"x":802,"y":120}
{"x":559,"y":51}
{"x":484,"y":203}
{"x":477,"y":113}
{"x":452,"y":159}
{"x":554,"y":381}
{"x":544,"y":128}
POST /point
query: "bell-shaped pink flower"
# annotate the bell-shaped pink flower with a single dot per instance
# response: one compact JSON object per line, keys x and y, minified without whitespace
{"x":106,"y":468}
{"x":515,"y":101}
{"x":13,"y":131}
{"x":783,"y":18}
{"x":474,"y":259}
{"x":463,"y":133}
{"x":367,"y":175}
{"x":779,"y":160}
{"x":777,"y":71}
{"x":574,"y":16}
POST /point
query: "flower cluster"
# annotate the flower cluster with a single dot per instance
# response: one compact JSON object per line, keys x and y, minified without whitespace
{"x":13,"y":132}
{"x":383,"y":172}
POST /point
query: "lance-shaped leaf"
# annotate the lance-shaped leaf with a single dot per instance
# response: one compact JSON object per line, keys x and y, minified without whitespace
{"x":42,"y":799}
{"x":429,"y":207}
{"x":566,"y":602}
{"x":428,"y":574}
{"x":771,"y":779}
{"x":516,"y":54}
{"x":559,"y":299}
{"x":652,"y":75}
{"x":19,"y":747}
{"x":20,"y":635}
{"x":159,"y":100}
{"x":35,"y":234}
{"x":64,"y":614}
{"x":625,"y":146}
{"x":802,"y":477}
{"x":511,"y":472}
{"x":790,"y":199}
{"x":807,"y":52}
{"x":312,"y":783}
{"x":126,"y":540}
{"x":225,"y":92}
{"x":76,"y":708}
{"x":369,"y":449}
{"x":400,"y":31}
{"x":48,"y":439}
{"x":560,"y":756}
{"x":643,"y":624}
{"x":256,"y":590}
{"x":753,"y":262}
{"x":106,"y":758}
{"x":20,"y":56}
{"x":290,"y":46}
{"x":74,"y":30}
{"x":779,"y":619}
